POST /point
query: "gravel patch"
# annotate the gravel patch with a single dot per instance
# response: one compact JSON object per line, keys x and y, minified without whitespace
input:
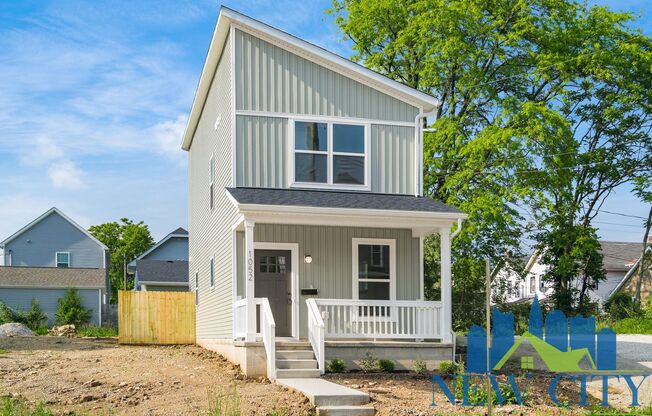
{"x":15,"y":330}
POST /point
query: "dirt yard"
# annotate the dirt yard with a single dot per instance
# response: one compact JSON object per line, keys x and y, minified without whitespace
{"x":93,"y":377}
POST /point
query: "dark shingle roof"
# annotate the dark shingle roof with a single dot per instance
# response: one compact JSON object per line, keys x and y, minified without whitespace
{"x":179,"y":231}
{"x":620,"y":255}
{"x":51,"y":277}
{"x":338,"y":199}
{"x":162,"y":271}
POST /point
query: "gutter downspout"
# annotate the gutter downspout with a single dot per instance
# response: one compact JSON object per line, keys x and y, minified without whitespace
{"x":418,"y":154}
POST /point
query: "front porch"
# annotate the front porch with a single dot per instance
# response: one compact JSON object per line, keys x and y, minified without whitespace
{"x":340,"y":290}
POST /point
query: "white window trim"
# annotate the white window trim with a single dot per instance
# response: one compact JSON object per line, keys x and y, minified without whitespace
{"x":56,"y":258}
{"x":211,"y":270}
{"x":211,"y":181}
{"x":329,"y":154}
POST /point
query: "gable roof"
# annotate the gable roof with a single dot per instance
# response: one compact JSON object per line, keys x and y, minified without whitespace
{"x":307,"y":50}
{"x":619,"y":255}
{"x":178,"y":233}
{"x":52,"y":277}
{"x":53,"y":210}
{"x":339,"y":199}
{"x":629,"y":273}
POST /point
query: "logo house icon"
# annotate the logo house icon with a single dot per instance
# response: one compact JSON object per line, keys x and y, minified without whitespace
{"x":561,"y":345}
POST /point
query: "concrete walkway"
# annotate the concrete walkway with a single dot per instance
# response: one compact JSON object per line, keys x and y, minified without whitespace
{"x":330,"y":398}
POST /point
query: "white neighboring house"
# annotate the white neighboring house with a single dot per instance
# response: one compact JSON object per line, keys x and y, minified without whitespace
{"x":619,"y":258}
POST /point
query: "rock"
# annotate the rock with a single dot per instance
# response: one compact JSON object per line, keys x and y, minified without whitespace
{"x":63,"y":331}
{"x":15,"y":330}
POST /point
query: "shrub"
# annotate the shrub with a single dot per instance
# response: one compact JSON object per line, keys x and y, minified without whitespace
{"x":224,"y":404}
{"x":419,"y":366}
{"x":369,"y":362}
{"x":621,"y":306}
{"x":635,"y":325}
{"x":70,"y":309}
{"x":33,"y":318}
{"x":386,"y":365}
{"x":447,"y":368}
{"x":335,"y":366}
{"x":96,"y":331}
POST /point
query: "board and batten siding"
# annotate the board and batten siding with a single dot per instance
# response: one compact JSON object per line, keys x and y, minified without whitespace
{"x":210,"y":230}
{"x":21,"y":299}
{"x":272,"y":79}
{"x":38,"y":245}
{"x":331,"y":269}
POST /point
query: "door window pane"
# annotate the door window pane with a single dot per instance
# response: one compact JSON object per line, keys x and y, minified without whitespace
{"x":310,"y":168}
{"x":373,"y":262}
{"x":348,"y":138}
{"x":310,"y":136}
{"x":348,"y":169}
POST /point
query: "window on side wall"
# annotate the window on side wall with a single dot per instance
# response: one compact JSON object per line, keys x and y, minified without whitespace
{"x":212,"y":271}
{"x":211,"y":182}
{"x":196,"y":288}
{"x":330,"y":155}
{"x":63,"y":259}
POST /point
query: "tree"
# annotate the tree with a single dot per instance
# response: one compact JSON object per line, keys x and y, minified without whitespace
{"x":126,"y":241}
{"x":545,"y":110}
{"x":71,"y":311}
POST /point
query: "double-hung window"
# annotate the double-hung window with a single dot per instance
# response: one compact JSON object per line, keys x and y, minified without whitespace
{"x":374,"y":273}
{"x":63,"y":259}
{"x":211,"y":181}
{"x":330,"y":155}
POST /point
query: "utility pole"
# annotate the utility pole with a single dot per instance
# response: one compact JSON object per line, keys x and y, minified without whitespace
{"x":488,"y":313}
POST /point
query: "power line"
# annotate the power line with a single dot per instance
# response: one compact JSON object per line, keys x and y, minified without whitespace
{"x":622,"y":215}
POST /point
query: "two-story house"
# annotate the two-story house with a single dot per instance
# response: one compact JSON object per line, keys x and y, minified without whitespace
{"x":48,"y":256}
{"x":164,"y":267}
{"x":306,"y":212}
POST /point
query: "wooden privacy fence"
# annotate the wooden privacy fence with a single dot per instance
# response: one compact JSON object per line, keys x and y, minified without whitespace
{"x":156,"y":317}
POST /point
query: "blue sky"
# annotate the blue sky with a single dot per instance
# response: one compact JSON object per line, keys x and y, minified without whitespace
{"x":94,"y":97}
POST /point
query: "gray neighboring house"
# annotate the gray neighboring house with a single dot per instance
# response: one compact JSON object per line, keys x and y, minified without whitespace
{"x":306,"y":209}
{"x":49,"y":255}
{"x":164,"y":267}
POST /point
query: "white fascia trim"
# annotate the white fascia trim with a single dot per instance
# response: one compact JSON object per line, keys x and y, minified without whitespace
{"x":43,"y":216}
{"x":154,"y":283}
{"x":356,"y":212}
{"x":229,"y":18}
{"x":332,"y":119}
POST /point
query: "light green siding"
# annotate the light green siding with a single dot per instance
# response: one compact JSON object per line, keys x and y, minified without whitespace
{"x":261,"y":151}
{"x":331,"y":270}
{"x":269,"y":78}
{"x":392,"y":159}
{"x":210,"y":230}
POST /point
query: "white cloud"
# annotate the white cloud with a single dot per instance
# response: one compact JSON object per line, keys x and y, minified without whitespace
{"x":42,"y":151}
{"x":65,"y":174}
{"x":167,"y":136}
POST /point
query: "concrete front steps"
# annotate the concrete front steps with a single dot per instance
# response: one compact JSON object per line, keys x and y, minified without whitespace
{"x":331,"y":399}
{"x":297,"y":368}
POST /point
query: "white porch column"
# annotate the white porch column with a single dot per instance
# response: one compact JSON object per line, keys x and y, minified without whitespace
{"x":249,"y":281}
{"x":446,"y":284}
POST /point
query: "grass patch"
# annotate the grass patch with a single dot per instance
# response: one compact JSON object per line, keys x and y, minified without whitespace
{"x":14,"y":407}
{"x":601,"y":411}
{"x":3,"y":351}
{"x":637,"y":325}
{"x":224,"y":404}
{"x":96,"y":331}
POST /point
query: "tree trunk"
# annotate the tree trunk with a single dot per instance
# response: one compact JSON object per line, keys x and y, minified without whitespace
{"x":643,"y":267}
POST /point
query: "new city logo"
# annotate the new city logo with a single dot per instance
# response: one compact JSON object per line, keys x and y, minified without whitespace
{"x":570,"y":348}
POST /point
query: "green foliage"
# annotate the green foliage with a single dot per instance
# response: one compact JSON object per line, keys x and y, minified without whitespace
{"x":3,"y":351}
{"x":621,"y":305}
{"x":369,"y":362}
{"x":635,"y":325}
{"x":125,"y":240}
{"x":386,"y":365}
{"x":224,"y":404}
{"x":42,"y":330}
{"x":545,"y":108}
{"x":335,"y":366}
{"x":33,"y":318}
{"x":94,"y":331}
{"x":447,"y":368}
{"x":419,"y":366}
{"x":601,"y":411}
{"x":16,"y":407}
{"x":70,"y":310}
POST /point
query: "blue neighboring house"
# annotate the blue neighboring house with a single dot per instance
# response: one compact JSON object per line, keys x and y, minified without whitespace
{"x":164,"y":267}
{"x":48,"y":256}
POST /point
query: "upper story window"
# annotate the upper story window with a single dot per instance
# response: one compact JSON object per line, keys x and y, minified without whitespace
{"x":212,"y":271}
{"x":211,"y":181}
{"x":63,"y":259}
{"x":330,"y":155}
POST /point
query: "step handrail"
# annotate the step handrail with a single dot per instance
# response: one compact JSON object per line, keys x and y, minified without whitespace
{"x":268,"y":331}
{"x":316,"y":329}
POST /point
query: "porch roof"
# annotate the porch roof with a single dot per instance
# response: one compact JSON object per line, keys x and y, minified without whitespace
{"x":338,"y":199}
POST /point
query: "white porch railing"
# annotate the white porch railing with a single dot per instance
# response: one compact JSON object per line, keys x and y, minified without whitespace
{"x":380,"y":319}
{"x":316,"y":332}
{"x":240,"y":317}
{"x":268,"y":330}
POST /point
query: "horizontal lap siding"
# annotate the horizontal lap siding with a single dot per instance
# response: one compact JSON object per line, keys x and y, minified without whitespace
{"x":269,"y":78}
{"x":21,"y":298}
{"x":331,"y":268}
{"x":210,"y":231}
